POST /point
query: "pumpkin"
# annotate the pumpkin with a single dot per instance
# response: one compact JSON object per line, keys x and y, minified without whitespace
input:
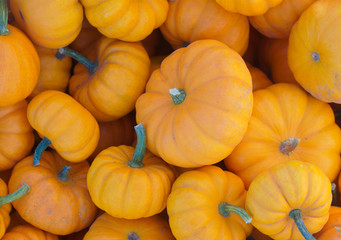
{"x":259,"y":79}
{"x":28,"y":232}
{"x":65,"y":124}
{"x":281,"y":129}
{"x":197,"y":105}
{"x":54,"y":72}
{"x":205,"y":20}
{"x":42,"y":21}
{"x":108,"y":227}
{"x":290,"y":200}
{"x":16,"y":134}
{"x":208,"y":202}
{"x":331,"y":230}
{"x":127,"y":20}
{"x":315,"y":61}
{"x":278,"y":21}
{"x":248,"y":7}
{"x":109,"y":86}
{"x":19,"y":69}
{"x":58,"y":201}
{"x":128,"y":182}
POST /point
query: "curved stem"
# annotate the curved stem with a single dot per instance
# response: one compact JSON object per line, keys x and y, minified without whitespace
{"x":225,"y":209}
{"x":90,"y":65}
{"x":39,"y":150}
{"x":178,"y":95}
{"x":4,"y":18}
{"x":288,"y":146}
{"x":22,"y":191}
{"x":140,"y":148}
{"x":63,"y":174}
{"x":295,"y":214}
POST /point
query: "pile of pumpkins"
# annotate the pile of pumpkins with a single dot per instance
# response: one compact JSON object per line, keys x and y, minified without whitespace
{"x":178,"y":119}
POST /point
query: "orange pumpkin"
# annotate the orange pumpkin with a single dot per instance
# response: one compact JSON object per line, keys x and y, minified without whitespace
{"x":16,"y":134}
{"x":208,"y":202}
{"x":259,"y":79}
{"x":28,"y":232}
{"x":42,"y":21}
{"x":331,"y":230}
{"x":71,"y":129}
{"x":130,"y":183}
{"x":109,"y":86}
{"x":19,"y":68}
{"x":290,"y":200}
{"x":108,"y":227}
{"x":194,"y":87}
{"x":287,"y":124}
{"x":126,"y":20}
{"x":205,"y":20}
{"x":54,"y":72}
{"x":58,"y":201}
{"x":315,"y":61}
{"x":278,"y":21}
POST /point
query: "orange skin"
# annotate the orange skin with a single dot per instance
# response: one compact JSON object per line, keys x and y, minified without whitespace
{"x":16,"y":135}
{"x":28,"y":232}
{"x":4,"y":210}
{"x":278,"y":21}
{"x":126,"y":20}
{"x":281,"y":112}
{"x":56,"y":206}
{"x":73,"y":131}
{"x":205,"y":20}
{"x":328,"y":232}
{"x":56,"y":32}
{"x":19,"y":69}
{"x":192,"y":205}
{"x":188,"y":134}
{"x":259,"y":79}
{"x":315,"y":61}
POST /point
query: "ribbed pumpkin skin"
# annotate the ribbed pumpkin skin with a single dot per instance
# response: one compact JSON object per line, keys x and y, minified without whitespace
{"x":127,"y":20}
{"x":107,"y":227}
{"x":315,"y":61}
{"x":259,"y":79}
{"x":19,"y":69}
{"x":54,"y":73}
{"x":328,"y":231}
{"x":4,"y":210}
{"x":48,"y":29}
{"x":55,"y":206}
{"x":283,"y":111}
{"x":205,"y":20}
{"x":126,"y":192}
{"x":27,"y":232}
{"x":188,"y":134}
{"x":73,"y":131}
{"x":193,"y":204}
{"x":284,"y":187}
{"x":16,"y":134}
{"x":278,"y":21}
{"x":111,"y":92}
{"x":248,"y":7}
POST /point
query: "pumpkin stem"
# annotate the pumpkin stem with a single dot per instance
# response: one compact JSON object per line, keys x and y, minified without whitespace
{"x":295,"y":214}
{"x":90,"y":65}
{"x":185,"y":44}
{"x":133,"y":236}
{"x":14,"y":195}
{"x":288,"y":146}
{"x":63,"y":174}
{"x":334,"y":194}
{"x":140,"y":148}
{"x":178,"y":95}
{"x":225,"y":209}
{"x":316,"y":57}
{"x":4,"y":31}
{"x":39,"y":150}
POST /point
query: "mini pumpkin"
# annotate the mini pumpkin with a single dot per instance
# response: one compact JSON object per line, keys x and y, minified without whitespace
{"x":28,"y":232}
{"x":331,"y":230}
{"x":259,"y":79}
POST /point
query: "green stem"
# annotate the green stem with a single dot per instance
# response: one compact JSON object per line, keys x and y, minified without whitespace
{"x":288,"y":146}
{"x":334,"y":194}
{"x":295,"y":214}
{"x":185,"y":44}
{"x":39,"y":150}
{"x":133,"y":236}
{"x":178,"y":95}
{"x":22,"y":191}
{"x":140,"y":148}
{"x":63,"y":174}
{"x":225,"y":209}
{"x":90,"y":65}
{"x":4,"y":31}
